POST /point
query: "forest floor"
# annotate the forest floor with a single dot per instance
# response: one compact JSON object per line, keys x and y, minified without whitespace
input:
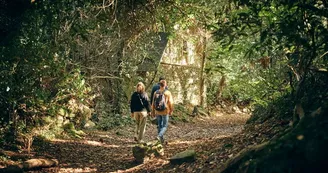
{"x":215,"y":140}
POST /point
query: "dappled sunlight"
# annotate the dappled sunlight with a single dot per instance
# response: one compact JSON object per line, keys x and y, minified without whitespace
{"x":201,"y":140}
{"x":78,"y":170}
{"x":92,"y":143}
{"x":95,"y":143}
{"x":221,"y":118}
{"x":184,"y":142}
{"x":155,"y":163}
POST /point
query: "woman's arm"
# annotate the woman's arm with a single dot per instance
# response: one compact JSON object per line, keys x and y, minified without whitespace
{"x":132,"y":105}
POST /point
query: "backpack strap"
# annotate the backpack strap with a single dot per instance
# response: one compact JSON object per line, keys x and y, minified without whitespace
{"x":140,"y":100}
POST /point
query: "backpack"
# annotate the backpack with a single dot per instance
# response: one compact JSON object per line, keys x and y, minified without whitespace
{"x":159,"y":100}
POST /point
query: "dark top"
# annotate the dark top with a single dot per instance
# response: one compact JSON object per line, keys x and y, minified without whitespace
{"x":155,"y":88}
{"x":135,"y":103}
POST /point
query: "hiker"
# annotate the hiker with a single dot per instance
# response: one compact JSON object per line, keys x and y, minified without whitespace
{"x":140,"y":108}
{"x":155,"y":88}
{"x":163,"y":105}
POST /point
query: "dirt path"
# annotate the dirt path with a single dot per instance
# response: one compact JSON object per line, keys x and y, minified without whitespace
{"x":111,"y":151}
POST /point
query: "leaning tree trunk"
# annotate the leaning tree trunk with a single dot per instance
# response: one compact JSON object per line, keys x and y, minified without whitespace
{"x":202,"y":77}
{"x":221,"y":86}
{"x":304,"y":67}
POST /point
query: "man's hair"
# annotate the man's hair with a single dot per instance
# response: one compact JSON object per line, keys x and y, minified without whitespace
{"x":161,"y":78}
{"x":162,"y":83}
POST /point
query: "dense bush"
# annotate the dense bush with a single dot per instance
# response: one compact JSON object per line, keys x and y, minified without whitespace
{"x":38,"y":79}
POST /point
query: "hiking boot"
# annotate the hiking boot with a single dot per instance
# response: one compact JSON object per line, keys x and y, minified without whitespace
{"x":160,"y":139}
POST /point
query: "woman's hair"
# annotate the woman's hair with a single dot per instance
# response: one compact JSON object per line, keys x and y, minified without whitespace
{"x":140,"y":87}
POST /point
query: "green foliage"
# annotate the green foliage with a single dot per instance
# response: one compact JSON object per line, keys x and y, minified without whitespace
{"x":72,"y":132}
{"x":246,"y":78}
{"x":114,"y":120}
{"x":3,"y":130}
{"x":252,"y":30}
{"x":37,"y":76}
{"x":181,"y":113}
{"x":281,"y":108}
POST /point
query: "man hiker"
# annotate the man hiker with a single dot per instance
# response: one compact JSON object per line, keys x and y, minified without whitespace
{"x":140,"y":108}
{"x":163,"y":105}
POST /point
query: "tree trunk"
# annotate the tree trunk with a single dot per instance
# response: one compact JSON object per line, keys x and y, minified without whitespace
{"x":30,"y":164}
{"x":221,"y":86}
{"x":118,"y":83}
{"x":202,"y":78}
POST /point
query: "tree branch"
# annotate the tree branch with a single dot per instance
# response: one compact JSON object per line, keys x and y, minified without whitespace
{"x":317,"y":11}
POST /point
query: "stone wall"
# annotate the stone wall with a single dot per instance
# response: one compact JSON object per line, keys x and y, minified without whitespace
{"x":181,"y":65}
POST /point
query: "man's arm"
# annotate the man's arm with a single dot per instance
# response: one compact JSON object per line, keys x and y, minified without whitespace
{"x":152,"y":95}
{"x":155,"y":88}
{"x":170,"y":103}
{"x":153,"y":109}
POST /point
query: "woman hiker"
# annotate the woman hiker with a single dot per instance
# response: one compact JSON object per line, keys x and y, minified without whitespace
{"x":140,"y":108}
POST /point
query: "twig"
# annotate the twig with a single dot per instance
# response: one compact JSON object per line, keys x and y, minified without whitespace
{"x":294,"y":71}
{"x":323,"y":55}
{"x":104,"y":77}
